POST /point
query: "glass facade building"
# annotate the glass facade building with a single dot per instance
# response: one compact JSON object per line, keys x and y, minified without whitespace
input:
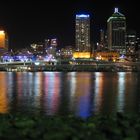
{"x":131,"y":42}
{"x":82,"y":35}
{"x":116,"y":32}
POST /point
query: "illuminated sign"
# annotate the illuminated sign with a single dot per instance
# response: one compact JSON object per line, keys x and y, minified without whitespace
{"x":82,"y":16}
{"x":53,"y":42}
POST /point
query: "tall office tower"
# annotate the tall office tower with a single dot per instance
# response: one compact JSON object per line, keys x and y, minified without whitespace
{"x":116,"y":32}
{"x":138,"y":47}
{"x":3,"y":40}
{"x":137,"y":44}
{"x":82,"y":34}
{"x":131,"y":42}
{"x":102,"y":39}
{"x":102,"y":35}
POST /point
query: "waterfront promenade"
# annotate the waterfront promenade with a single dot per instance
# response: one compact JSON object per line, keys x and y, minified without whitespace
{"x":90,"y":66}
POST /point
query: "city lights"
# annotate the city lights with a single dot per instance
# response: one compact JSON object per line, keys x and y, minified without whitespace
{"x":114,"y":42}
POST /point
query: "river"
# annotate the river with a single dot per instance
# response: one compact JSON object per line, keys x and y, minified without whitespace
{"x":63,"y":93}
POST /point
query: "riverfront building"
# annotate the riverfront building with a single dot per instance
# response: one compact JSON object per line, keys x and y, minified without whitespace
{"x":116,"y":32}
{"x":131,"y":42}
{"x":3,"y":40}
{"x":82,"y":34}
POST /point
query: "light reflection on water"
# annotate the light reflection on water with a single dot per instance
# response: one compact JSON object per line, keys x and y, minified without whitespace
{"x":121,"y":91}
{"x":3,"y":94}
{"x":98,"y":91}
{"x":79,"y":93}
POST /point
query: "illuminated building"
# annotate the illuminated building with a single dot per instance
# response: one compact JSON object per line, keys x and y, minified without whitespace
{"x":116,"y":32}
{"x":54,"y":42}
{"x":131,"y":42}
{"x":50,"y":46}
{"x":37,"y":48}
{"x":51,"y":42}
{"x":3,"y":40}
{"x":106,"y":55}
{"x":83,"y":55}
{"x":82,"y":34}
{"x":102,"y":38}
{"x":137,"y":43}
{"x":138,"y":47}
{"x":66,"y":52}
{"x":101,"y":44}
{"x":47,"y":43}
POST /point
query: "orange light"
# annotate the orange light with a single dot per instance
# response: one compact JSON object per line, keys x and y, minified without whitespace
{"x":81,"y":54}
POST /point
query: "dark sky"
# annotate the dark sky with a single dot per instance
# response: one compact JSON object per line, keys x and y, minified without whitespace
{"x":33,"y":21}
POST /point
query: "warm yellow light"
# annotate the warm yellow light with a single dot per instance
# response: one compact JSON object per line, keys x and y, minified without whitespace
{"x":81,"y":54}
{"x":1,"y":32}
{"x":106,"y":55}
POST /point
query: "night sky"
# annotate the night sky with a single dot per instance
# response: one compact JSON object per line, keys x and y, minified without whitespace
{"x":32,"y":21}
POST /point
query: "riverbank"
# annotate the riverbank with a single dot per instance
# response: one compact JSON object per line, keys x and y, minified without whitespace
{"x":100,"y":127}
{"x":74,"y":68}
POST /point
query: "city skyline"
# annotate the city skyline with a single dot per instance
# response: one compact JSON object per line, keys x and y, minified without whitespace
{"x":27,"y":23}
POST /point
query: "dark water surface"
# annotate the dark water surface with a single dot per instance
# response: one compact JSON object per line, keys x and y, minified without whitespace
{"x":79,"y":93}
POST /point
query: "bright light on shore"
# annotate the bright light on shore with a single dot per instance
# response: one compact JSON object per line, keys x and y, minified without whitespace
{"x":1,"y":32}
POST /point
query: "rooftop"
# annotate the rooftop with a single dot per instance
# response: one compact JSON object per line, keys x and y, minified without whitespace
{"x":116,"y":15}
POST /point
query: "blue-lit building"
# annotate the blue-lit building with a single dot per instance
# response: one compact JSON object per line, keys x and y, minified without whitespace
{"x":116,"y":32}
{"x":82,"y":33}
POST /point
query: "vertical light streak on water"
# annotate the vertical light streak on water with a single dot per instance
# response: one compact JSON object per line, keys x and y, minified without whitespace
{"x":98,"y":92}
{"x":46,"y":89}
{"x":23,"y":80}
{"x":3,"y":94}
{"x":30,"y":91}
{"x":37,"y":88}
{"x":30,"y":83}
{"x":26,"y":83}
{"x":73,"y":83}
{"x":121,"y":91}
{"x":9,"y":84}
{"x":37,"y":84}
{"x":19,"y":86}
{"x":83,"y":94}
{"x":52,"y":90}
{"x":56,"y":94}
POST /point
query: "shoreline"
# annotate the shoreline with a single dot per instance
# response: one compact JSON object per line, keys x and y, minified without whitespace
{"x":72,"y":68}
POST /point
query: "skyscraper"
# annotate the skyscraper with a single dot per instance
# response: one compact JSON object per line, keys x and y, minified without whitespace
{"x":102,"y":40}
{"x":3,"y":40}
{"x":82,"y":34}
{"x":131,"y":42}
{"x":116,"y":32}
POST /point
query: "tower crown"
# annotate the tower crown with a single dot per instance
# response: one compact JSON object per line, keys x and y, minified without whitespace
{"x":116,"y":10}
{"x":82,"y":15}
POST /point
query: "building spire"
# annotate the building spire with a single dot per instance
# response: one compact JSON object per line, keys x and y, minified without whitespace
{"x":116,"y":10}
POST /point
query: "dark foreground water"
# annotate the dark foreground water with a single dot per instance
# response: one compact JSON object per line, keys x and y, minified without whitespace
{"x":79,"y":93}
